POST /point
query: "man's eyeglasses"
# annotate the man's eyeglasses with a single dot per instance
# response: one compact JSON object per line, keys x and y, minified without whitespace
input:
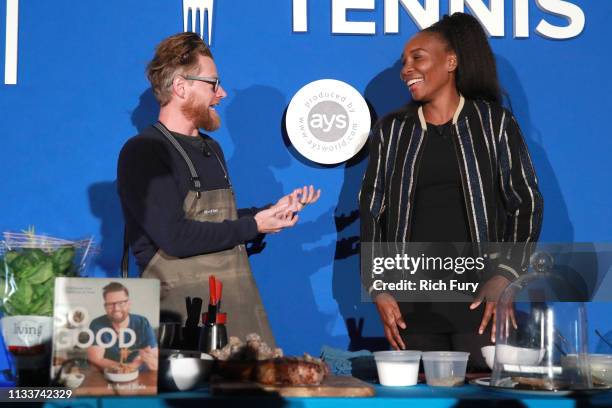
{"x":214,"y":81}
{"x":121,"y":304}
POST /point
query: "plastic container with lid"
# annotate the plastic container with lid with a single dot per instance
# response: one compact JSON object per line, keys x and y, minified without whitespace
{"x":445,"y":368}
{"x":398,"y":368}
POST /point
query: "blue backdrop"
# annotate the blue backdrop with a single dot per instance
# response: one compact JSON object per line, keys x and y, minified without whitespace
{"x":81,"y":93}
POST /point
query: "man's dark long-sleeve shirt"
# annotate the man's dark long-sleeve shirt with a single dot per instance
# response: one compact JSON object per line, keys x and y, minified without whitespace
{"x":153,"y":180}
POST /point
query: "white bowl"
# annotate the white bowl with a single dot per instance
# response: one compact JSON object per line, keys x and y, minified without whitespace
{"x":488,"y":352}
{"x":506,"y":354}
{"x":74,"y":380}
{"x":184,"y":371}
{"x":121,"y":377}
{"x":398,"y":368}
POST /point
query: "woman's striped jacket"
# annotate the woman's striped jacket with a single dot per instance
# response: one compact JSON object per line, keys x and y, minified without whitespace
{"x":500,"y":186}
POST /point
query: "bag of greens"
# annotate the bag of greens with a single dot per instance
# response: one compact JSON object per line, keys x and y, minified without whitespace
{"x":29,"y":264}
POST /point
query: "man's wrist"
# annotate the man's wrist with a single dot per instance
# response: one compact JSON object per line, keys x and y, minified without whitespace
{"x":251,"y":226}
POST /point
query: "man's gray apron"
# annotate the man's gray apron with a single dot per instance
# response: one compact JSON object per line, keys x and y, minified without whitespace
{"x":184,"y":277}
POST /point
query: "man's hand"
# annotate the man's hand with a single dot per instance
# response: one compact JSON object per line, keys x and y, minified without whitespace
{"x":300,"y":197}
{"x":275,"y":219}
{"x":135,"y":363}
{"x":148,"y":356}
{"x":490,"y":294}
{"x":391,"y":318}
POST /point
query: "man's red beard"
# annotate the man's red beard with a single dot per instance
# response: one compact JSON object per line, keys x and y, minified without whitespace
{"x":200,"y":115}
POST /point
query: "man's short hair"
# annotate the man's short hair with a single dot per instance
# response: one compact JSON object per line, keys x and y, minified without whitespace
{"x":176,"y":55}
{"x":114,"y":287}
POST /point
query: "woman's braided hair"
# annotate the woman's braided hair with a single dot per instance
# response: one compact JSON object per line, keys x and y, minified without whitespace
{"x":476,"y":75}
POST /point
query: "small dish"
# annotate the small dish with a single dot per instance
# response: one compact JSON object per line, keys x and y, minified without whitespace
{"x":445,"y":368}
{"x":398,"y":368}
{"x":181,"y":370}
{"x":522,"y":356}
{"x":488,"y":353}
{"x":121,"y":377}
{"x":74,"y":380}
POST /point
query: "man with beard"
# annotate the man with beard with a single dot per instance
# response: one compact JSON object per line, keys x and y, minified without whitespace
{"x":181,"y":217}
{"x":119,"y":327}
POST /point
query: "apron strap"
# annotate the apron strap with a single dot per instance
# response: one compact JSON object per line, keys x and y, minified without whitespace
{"x":195,"y":179}
{"x":125,"y":258}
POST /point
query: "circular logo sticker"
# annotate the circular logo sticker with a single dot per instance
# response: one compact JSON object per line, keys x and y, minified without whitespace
{"x":328,"y":121}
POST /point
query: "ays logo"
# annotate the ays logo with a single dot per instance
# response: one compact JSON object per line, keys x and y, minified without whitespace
{"x":328,"y":121}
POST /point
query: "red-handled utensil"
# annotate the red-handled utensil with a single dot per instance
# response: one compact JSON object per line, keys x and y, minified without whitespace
{"x":219,"y":293}
{"x":212,"y":289}
{"x":221,"y":318}
{"x":218,"y":290}
{"x":212,"y":305}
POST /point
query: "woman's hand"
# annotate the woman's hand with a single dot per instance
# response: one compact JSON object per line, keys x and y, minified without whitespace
{"x":490,"y":294}
{"x":391,"y":318}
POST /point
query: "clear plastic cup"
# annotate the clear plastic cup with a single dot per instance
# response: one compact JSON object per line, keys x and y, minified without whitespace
{"x":445,"y":368}
{"x":398,"y":368}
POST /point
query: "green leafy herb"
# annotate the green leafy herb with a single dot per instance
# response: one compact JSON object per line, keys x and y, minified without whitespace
{"x":33,"y":272}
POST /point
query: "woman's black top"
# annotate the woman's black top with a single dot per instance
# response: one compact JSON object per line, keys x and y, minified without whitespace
{"x":439,"y":206}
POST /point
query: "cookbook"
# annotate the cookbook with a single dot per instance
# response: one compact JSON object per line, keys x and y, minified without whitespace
{"x":105,"y":336}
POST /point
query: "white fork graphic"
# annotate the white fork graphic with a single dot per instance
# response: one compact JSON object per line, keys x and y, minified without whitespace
{"x":200,"y":6}
{"x":10,"y":52}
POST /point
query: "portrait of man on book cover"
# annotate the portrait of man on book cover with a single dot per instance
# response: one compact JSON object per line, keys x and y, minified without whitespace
{"x":126,"y":339}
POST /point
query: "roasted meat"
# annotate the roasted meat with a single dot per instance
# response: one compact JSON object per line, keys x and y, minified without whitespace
{"x":291,"y":371}
{"x":257,"y":361}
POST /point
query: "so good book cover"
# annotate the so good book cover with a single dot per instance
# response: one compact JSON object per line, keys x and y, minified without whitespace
{"x":105,"y":335}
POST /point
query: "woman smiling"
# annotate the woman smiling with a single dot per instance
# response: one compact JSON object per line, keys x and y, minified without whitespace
{"x":450,"y":167}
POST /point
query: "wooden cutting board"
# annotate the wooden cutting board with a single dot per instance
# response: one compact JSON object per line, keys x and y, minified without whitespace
{"x":332,"y":386}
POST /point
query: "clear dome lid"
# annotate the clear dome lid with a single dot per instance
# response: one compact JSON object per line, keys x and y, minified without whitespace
{"x":541,"y":335}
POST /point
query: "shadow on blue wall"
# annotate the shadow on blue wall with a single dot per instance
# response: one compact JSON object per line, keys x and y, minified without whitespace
{"x":346,"y":283}
{"x":253,"y":167}
{"x":383,"y":94}
{"x":581,"y":265}
{"x":557,"y":224}
{"x":147,"y":111}
{"x":104,"y":204}
{"x":386,"y":92}
{"x":104,"y":201}
{"x":254,"y":159}
{"x":301,"y":249}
